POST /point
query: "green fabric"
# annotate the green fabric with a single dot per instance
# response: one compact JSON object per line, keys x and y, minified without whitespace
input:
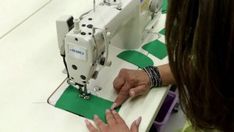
{"x":162,"y":31}
{"x":136,"y":58}
{"x":156,"y":48}
{"x":164,"y":6}
{"x":70,"y":101}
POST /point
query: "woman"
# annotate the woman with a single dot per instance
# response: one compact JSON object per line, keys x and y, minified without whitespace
{"x":200,"y":41}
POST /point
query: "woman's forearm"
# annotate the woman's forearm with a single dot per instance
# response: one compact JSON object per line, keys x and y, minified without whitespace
{"x":166,"y":74}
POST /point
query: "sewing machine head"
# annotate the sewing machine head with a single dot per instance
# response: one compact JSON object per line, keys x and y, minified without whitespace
{"x":84,"y":42}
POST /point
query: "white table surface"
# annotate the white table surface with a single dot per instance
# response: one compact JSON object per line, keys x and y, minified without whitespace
{"x":15,"y":12}
{"x":31,"y":70}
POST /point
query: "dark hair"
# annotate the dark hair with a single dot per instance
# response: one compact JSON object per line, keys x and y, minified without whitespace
{"x":200,"y":40}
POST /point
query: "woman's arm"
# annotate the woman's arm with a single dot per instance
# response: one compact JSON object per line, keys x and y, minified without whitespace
{"x":137,"y":82}
{"x":166,"y":75}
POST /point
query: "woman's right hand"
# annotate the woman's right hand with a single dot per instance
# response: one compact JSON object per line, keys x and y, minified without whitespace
{"x":130,"y":83}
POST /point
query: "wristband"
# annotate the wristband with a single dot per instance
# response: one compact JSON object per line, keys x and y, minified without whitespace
{"x":154,"y":76}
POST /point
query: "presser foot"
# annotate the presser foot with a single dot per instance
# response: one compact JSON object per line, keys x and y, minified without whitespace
{"x":84,"y":93}
{"x":85,"y":96}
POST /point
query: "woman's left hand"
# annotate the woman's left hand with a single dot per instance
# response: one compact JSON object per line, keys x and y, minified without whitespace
{"x":114,"y":123}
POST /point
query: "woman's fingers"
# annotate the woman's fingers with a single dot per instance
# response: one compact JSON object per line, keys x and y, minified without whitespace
{"x":90,"y":126}
{"x":101,"y":125}
{"x":114,"y":123}
{"x":122,"y":96}
{"x":110,"y":118}
{"x":118,"y":83}
{"x":135,"y":125}
{"x":117,"y":117}
{"x":139,"y":90}
{"x":126,"y":91}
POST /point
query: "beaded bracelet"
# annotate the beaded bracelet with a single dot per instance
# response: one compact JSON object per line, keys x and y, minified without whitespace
{"x":154,"y":76}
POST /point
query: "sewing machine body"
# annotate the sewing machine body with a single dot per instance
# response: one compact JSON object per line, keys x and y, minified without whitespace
{"x":84,"y":42}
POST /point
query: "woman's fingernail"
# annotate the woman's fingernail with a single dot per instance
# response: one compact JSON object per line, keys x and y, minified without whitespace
{"x":114,"y":112}
{"x":95,"y":117}
{"x":132,"y":93}
{"x":138,"y":121}
{"x":113,"y":106}
{"x":107,"y":111}
{"x":87,"y":122}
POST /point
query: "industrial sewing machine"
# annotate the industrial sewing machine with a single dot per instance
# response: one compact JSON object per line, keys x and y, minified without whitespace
{"x":84,"y":41}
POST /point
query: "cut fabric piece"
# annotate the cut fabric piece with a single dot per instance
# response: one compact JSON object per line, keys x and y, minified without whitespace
{"x":136,"y":58}
{"x":156,"y":48}
{"x":164,"y":6}
{"x":71,"y":101}
{"x":162,"y":31}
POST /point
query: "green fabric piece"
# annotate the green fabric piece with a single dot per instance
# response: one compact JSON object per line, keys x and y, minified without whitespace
{"x":156,"y":48}
{"x":162,"y":31}
{"x":136,"y":58}
{"x":164,"y":6}
{"x":72,"y":102}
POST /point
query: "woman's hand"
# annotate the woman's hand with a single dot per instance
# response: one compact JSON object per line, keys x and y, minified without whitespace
{"x":114,"y":124}
{"x":130,"y":83}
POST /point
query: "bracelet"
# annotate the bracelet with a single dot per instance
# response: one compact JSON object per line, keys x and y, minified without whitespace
{"x":154,"y":76}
